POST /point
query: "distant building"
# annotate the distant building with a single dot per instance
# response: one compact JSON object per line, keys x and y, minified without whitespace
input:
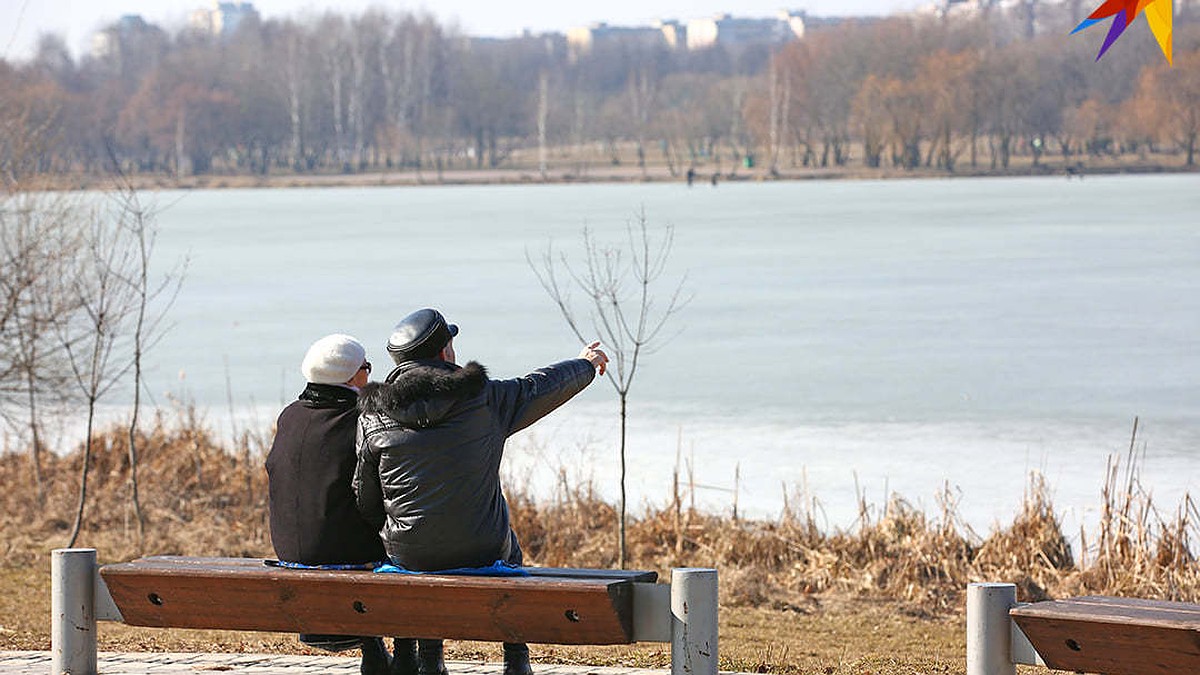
{"x":722,"y":29}
{"x":673,"y":32}
{"x":224,"y":18}
{"x":584,"y":39}
{"x":130,"y":33}
{"x":730,"y":31}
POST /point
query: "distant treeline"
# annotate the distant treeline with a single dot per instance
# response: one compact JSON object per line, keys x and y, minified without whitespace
{"x":386,"y":90}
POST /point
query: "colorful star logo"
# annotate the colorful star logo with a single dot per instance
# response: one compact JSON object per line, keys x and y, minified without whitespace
{"x":1159,"y":14}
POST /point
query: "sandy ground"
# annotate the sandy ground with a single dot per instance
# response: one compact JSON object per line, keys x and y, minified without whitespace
{"x":705,"y":177}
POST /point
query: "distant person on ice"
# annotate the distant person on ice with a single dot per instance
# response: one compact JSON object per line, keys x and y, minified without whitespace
{"x":430,"y":443}
{"x":314,"y":520}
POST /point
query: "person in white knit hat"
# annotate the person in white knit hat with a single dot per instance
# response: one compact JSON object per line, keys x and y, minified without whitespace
{"x":336,"y":359}
{"x":314,"y":520}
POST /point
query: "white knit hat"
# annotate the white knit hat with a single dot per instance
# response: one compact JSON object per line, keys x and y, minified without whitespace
{"x":333,"y":359}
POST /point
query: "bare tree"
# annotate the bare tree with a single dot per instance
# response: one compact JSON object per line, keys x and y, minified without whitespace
{"x":95,"y":338}
{"x":868,"y":114}
{"x":335,"y":57}
{"x":642,"y":88}
{"x":543,"y":111}
{"x":38,"y":238}
{"x":779,"y":94}
{"x":74,"y":282}
{"x":152,"y":297}
{"x":362,"y":32}
{"x":1172,"y":96}
{"x":295,"y":52}
{"x":621,"y":286}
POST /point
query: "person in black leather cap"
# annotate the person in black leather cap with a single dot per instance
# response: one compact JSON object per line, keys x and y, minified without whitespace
{"x":314,"y":519}
{"x":430,"y":441}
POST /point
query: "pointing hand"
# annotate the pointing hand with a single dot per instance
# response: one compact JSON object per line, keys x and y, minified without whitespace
{"x":596,"y":356}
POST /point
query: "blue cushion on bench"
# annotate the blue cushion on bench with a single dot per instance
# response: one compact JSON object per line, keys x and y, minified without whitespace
{"x":499,"y":568}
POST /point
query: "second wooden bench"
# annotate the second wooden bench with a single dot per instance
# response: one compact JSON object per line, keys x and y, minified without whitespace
{"x":1090,"y":634}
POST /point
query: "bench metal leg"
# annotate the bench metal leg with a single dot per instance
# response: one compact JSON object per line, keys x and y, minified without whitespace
{"x":73,"y":611}
{"x":693,"y":621}
{"x":989,"y":629}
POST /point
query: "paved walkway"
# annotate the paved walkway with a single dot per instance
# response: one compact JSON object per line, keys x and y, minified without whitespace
{"x":165,"y":663}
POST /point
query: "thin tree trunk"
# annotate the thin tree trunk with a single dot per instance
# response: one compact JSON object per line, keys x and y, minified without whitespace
{"x":772,"y":118}
{"x":339,"y":132}
{"x":87,"y":461}
{"x":577,"y":133}
{"x":622,"y":556}
{"x":133,"y":455}
{"x":358,"y":70}
{"x":180,"y":131}
{"x":137,"y":379}
{"x":784,"y":125}
{"x":35,"y":452}
{"x":297,"y":145}
{"x":543,"y":111}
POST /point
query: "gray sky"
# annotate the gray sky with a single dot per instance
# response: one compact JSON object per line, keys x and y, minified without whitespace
{"x":21,"y":21}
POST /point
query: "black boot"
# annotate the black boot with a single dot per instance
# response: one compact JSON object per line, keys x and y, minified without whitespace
{"x":404,"y":656}
{"x":375,"y":660}
{"x":516,"y":659}
{"x":429,"y":658}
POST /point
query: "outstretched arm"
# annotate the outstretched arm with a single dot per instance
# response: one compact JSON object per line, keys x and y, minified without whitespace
{"x":521,"y":401}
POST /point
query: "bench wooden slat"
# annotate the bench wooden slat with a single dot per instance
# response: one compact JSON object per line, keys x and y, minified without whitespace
{"x":1138,"y":609}
{"x":192,"y":560}
{"x":245,"y":594}
{"x":1117,"y":636}
{"x":640,"y":576}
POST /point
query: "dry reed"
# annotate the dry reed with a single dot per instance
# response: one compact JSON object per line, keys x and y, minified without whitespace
{"x":201,"y":498}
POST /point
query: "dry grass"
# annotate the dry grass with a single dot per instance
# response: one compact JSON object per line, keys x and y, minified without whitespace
{"x":794,"y":598}
{"x":197,"y":497}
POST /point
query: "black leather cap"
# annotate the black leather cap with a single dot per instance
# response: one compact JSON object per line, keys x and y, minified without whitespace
{"x":420,"y":335}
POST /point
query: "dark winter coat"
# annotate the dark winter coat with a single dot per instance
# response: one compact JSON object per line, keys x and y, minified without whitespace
{"x":314,"y":519}
{"x":430,"y":442}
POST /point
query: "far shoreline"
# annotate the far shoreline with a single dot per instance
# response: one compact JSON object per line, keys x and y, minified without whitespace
{"x":704,"y":177}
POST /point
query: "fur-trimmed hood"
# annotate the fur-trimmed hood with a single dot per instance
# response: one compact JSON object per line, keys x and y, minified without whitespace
{"x":421,"y":394}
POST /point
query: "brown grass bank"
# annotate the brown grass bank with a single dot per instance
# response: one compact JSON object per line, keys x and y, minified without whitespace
{"x":884,"y":596}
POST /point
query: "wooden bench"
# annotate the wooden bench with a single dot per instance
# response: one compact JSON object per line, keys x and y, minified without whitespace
{"x":1092,"y":634}
{"x":552,"y":606}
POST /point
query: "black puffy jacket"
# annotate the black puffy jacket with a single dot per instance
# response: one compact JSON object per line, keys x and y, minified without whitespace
{"x":430,"y":441}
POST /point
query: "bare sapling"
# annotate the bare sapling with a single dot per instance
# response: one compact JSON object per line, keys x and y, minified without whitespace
{"x":152,"y":298}
{"x":621,"y":287}
{"x":95,"y":339}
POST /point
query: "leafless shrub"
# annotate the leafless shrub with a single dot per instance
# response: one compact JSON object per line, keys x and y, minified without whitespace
{"x":620,"y":286}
